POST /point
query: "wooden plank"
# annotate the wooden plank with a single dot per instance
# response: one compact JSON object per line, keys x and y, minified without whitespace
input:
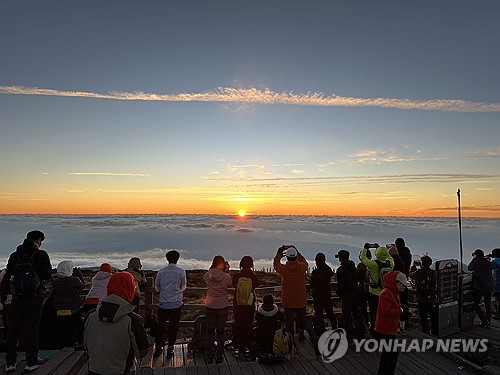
{"x":188,"y":355}
{"x":224,"y":369}
{"x":84,"y":370}
{"x":72,"y":363}
{"x":54,"y":361}
{"x":235,"y":369}
{"x":321,"y":367}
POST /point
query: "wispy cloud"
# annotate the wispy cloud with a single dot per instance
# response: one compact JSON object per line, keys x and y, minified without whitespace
{"x":493,"y":152}
{"x":267,"y":96}
{"x":391,"y":155}
{"x":385,"y":179}
{"x":109,"y":174}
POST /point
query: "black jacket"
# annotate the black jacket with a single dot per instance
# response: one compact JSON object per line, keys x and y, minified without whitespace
{"x":320,"y":281}
{"x":41,"y":262}
{"x":347,"y":280}
{"x":482,"y":276}
{"x":405,"y":255}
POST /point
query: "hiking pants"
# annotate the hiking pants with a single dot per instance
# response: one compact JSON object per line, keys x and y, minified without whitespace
{"x":353,"y":320}
{"x":173,"y":316}
{"x":320,"y":305}
{"x":428,"y":310}
{"x":299,"y":314}
{"x":216,"y":322}
{"x":24,"y":321}
{"x":388,"y":360}
{"x":373,"y":304}
{"x":243,"y":326}
{"x":478,"y":295}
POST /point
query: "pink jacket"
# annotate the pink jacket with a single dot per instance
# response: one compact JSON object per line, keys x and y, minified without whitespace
{"x":98,"y":290}
{"x":217,"y":283}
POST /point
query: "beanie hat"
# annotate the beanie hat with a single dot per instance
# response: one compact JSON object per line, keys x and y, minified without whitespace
{"x":122,"y":284}
{"x":246,"y":262}
{"x":65,"y":268}
{"x":106,"y":267}
{"x":268,"y":302}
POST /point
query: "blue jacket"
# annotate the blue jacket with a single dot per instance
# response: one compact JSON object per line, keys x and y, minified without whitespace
{"x":496,"y":274}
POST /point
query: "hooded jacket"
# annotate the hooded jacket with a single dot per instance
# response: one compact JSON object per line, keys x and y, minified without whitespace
{"x":217,"y":283}
{"x":41,"y":263}
{"x":389,"y":306}
{"x":382,"y":255}
{"x":98,"y":290}
{"x":482,"y":277}
{"x":66,"y":288}
{"x":293,"y":280}
{"x":134,"y":267}
{"x":268,"y":322}
{"x":114,"y":335}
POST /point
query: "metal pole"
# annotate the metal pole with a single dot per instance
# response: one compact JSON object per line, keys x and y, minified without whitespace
{"x":460,"y":232}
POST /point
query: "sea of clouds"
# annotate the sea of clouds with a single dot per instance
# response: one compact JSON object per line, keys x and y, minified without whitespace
{"x":89,"y":240}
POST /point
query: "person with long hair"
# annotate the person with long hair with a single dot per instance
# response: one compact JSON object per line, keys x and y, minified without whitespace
{"x":218,"y":280}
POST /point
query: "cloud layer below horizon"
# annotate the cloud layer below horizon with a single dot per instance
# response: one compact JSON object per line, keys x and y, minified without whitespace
{"x":267,"y":96}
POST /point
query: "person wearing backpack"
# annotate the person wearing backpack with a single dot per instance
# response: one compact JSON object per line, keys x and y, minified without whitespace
{"x":244,"y":283}
{"x":218,"y":280}
{"x":347,"y":290}
{"x":377,"y":267}
{"x":482,"y":285}
{"x":170,"y":282}
{"x":321,"y":277}
{"x":425,"y":280}
{"x":27,"y":269}
{"x":66,"y":305}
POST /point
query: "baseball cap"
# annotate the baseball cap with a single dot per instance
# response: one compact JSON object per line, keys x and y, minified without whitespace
{"x":291,"y":253}
{"x":401,"y":277}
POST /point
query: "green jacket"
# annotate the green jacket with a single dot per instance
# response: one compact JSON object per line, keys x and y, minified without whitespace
{"x":382,"y":255}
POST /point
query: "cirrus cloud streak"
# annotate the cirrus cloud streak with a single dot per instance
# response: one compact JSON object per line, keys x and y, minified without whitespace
{"x":267,"y":96}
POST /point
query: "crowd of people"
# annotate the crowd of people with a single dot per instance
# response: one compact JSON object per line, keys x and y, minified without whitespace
{"x":373,"y":295}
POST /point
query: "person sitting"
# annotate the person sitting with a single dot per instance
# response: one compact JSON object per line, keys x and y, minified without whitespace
{"x":98,"y":290}
{"x":114,"y":335}
{"x":135,"y":268}
{"x":66,"y":304}
{"x":269,"y":319}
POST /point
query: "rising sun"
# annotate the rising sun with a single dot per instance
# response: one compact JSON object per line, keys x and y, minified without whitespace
{"x":242,"y":213}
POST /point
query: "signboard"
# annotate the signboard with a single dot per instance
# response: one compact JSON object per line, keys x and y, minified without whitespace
{"x":447,"y":276}
{"x":466,"y":297}
{"x":447,"y":282}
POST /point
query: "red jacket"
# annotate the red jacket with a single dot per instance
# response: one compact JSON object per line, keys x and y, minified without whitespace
{"x":389,"y":306}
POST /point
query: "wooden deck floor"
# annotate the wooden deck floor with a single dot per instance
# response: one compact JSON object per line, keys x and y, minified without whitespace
{"x":352,"y":363}
{"x":184,"y":362}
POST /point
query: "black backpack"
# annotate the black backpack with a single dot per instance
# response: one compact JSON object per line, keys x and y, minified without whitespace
{"x":426,"y":287}
{"x":24,"y":281}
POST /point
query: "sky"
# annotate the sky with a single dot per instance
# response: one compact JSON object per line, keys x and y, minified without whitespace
{"x":361,"y":108}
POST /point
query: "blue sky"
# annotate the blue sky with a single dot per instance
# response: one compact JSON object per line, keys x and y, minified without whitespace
{"x":371,"y":107}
